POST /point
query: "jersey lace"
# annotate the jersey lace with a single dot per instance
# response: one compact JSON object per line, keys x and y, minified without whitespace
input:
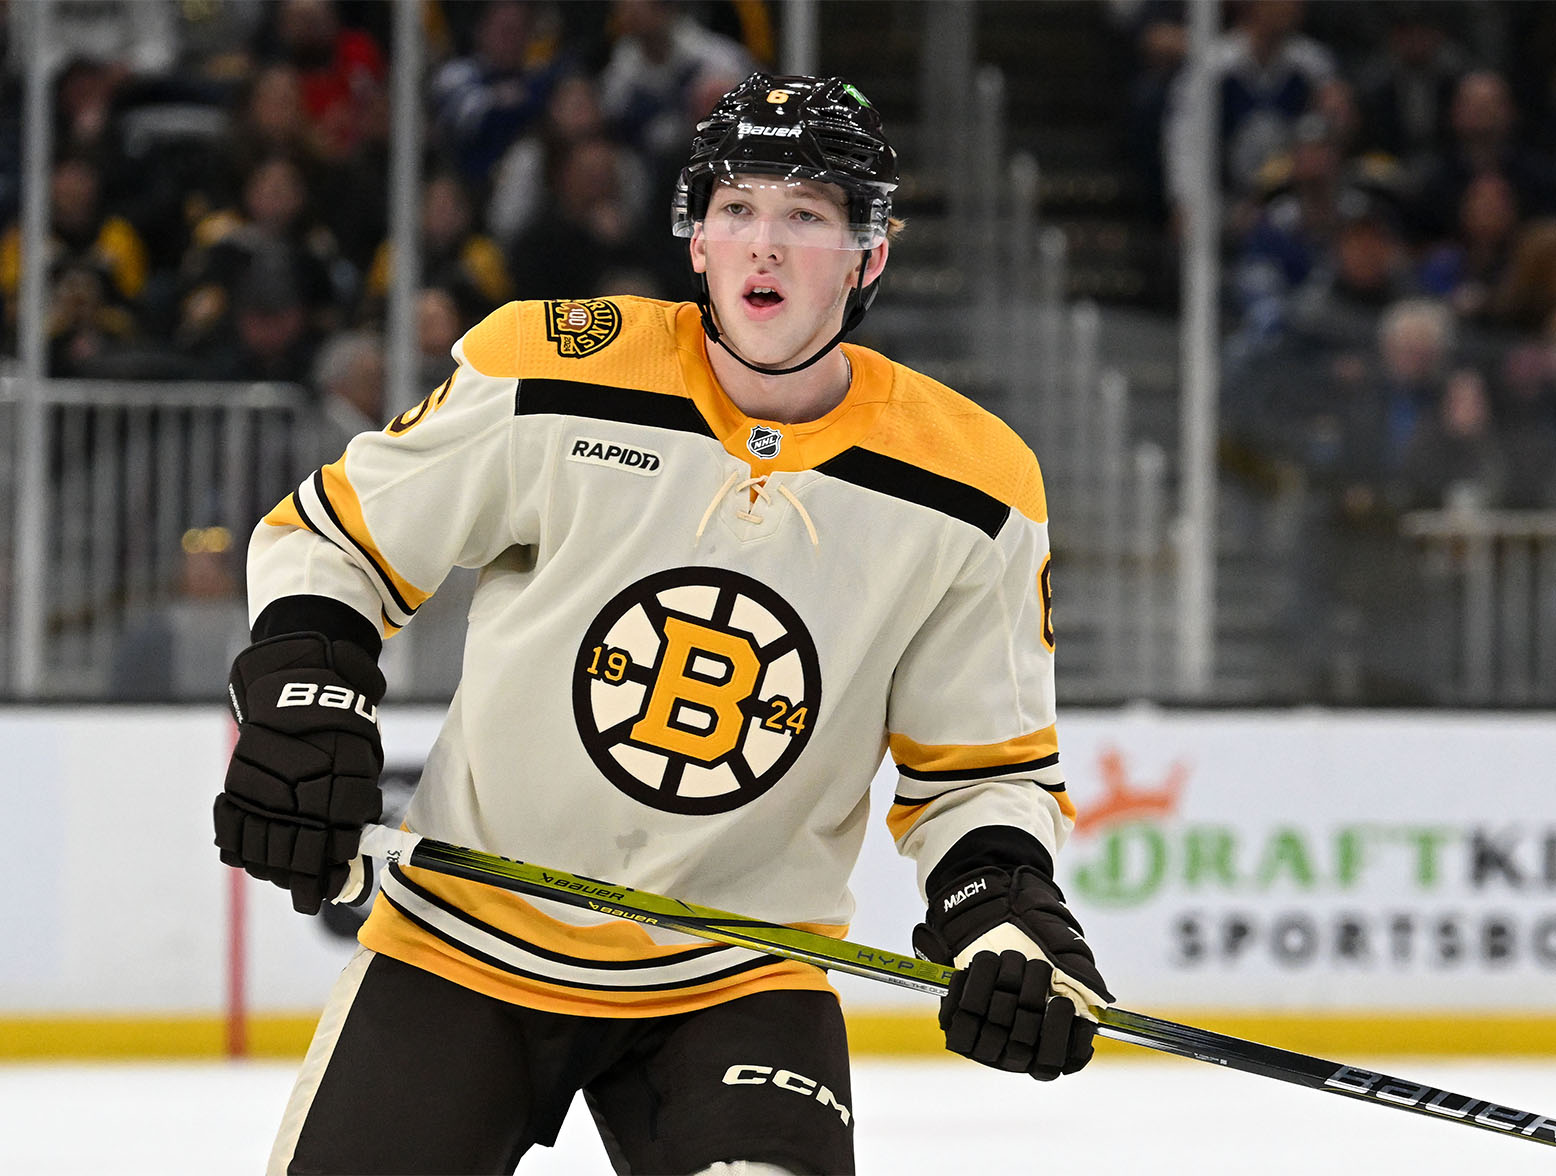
{"x":750,"y":492}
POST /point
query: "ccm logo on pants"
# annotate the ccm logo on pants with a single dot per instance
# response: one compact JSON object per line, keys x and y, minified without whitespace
{"x":786,"y":1080}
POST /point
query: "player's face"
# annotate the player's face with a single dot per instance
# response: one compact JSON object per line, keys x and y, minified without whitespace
{"x":780,"y":266}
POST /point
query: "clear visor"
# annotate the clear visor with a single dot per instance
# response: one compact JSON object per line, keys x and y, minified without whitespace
{"x":773,"y":210}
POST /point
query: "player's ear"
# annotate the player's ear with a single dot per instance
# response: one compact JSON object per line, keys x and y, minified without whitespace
{"x":698,"y":246}
{"x":876,"y":262}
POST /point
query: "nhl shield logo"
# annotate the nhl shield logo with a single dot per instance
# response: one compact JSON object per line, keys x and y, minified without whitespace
{"x":583,"y":327}
{"x":764,"y":442}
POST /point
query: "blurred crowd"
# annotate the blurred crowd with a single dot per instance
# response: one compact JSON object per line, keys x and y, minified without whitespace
{"x":1387,"y":176}
{"x":1388,"y":179}
{"x":219,"y":211}
{"x":219,"y":184}
{"x":218,"y":196}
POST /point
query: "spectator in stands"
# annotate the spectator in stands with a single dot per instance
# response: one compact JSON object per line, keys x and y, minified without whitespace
{"x":518,"y":190}
{"x":484,"y":101}
{"x":271,"y":119}
{"x":1347,"y":416}
{"x":1525,"y":299}
{"x":659,"y":57}
{"x":1483,"y":120}
{"x":182,"y":647}
{"x":438,"y":327}
{"x":1295,"y":231}
{"x":1526,"y":411}
{"x":588,"y":231}
{"x":1416,"y":339}
{"x":341,"y":69}
{"x":1267,"y":75}
{"x":81,"y":231}
{"x":270,"y":336}
{"x":348,"y":178}
{"x":84,"y":94}
{"x":1454,"y":457}
{"x":348,"y":378}
{"x":1468,"y":269}
{"x":275,"y":220}
{"x":456,"y":257}
{"x":1406,"y":91}
{"x":1338,"y":306}
{"x":86,"y":330}
{"x":1335,"y":102}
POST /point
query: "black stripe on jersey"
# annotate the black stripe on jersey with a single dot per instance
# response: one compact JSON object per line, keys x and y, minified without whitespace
{"x":900,"y":479}
{"x":1046,"y":761}
{"x":443,"y":904}
{"x":515,"y":970}
{"x":297,"y":501}
{"x":915,"y":801}
{"x":536,"y":397}
{"x":383,"y":576}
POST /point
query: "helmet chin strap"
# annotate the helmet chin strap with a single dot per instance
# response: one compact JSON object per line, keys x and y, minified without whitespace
{"x":851,"y":317}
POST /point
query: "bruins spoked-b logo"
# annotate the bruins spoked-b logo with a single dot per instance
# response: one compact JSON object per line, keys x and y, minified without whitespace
{"x":583,"y":327}
{"x":696,"y":689}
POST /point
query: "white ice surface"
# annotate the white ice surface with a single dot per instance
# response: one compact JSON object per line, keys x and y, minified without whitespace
{"x":947,"y":1118}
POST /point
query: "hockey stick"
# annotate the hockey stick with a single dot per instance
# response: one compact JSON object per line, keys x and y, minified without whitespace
{"x":396,"y":846}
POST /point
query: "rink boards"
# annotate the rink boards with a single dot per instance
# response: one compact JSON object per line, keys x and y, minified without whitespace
{"x":1332,"y":881}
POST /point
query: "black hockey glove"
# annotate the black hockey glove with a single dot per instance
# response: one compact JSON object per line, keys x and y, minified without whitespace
{"x":1027,"y":990}
{"x":304,"y":774}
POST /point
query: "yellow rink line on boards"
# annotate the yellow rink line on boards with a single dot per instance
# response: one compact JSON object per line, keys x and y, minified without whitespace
{"x":881,"y":1033}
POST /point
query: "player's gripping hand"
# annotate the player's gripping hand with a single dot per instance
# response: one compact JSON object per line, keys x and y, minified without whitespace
{"x":1027,"y":990}
{"x":304,"y":773}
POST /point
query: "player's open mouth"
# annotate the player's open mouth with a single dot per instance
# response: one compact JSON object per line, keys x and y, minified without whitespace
{"x":763,"y":296}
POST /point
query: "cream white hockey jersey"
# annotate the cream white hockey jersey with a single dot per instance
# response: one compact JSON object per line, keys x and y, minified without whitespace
{"x":694,"y":637}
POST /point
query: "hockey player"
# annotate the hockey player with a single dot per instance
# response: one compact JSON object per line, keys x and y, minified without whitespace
{"x":727,"y":561}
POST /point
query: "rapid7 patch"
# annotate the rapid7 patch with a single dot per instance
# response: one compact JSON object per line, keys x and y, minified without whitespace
{"x":594,"y":451}
{"x":695,"y":689}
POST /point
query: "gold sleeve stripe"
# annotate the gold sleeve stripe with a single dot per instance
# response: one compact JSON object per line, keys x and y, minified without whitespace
{"x":902,"y":817}
{"x":923,"y":761}
{"x":286,"y":514}
{"x":340,"y":499}
{"x":492,"y":345}
{"x":1066,"y":805}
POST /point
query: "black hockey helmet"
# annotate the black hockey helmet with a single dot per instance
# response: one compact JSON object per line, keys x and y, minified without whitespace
{"x":794,"y":128}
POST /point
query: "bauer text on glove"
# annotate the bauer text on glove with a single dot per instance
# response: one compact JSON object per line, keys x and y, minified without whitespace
{"x":303,"y":779}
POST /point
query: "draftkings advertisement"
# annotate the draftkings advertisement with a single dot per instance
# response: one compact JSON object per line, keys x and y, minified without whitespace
{"x":1279,"y":861}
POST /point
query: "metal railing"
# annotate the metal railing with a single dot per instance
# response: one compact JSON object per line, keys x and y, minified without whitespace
{"x":1007,"y":332}
{"x":1494,"y":572}
{"x":126,"y":470}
